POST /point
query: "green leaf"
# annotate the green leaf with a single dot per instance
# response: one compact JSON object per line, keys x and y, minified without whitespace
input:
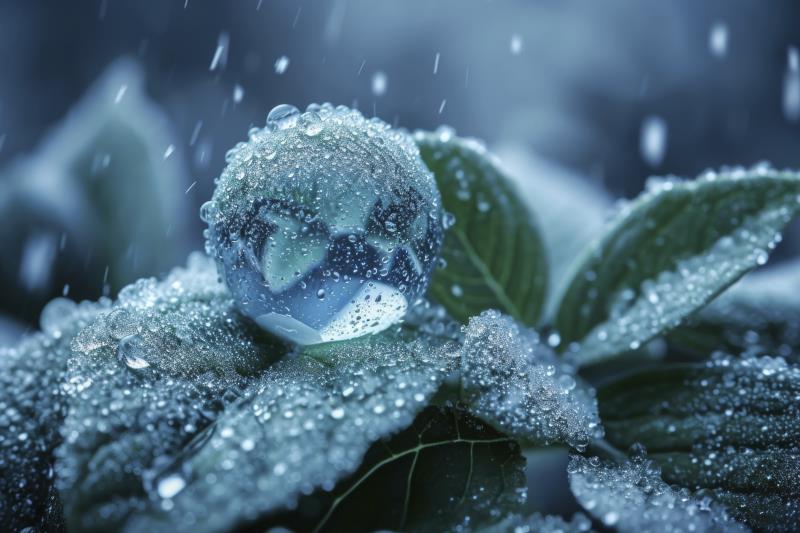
{"x":515,"y":382}
{"x":32,"y":406}
{"x":494,"y":254}
{"x":668,"y":253}
{"x":448,"y":469}
{"x":729,"y":427}
{"x":173,"y":408}
{"x":631,"y":497}
{"x":758,"y":315}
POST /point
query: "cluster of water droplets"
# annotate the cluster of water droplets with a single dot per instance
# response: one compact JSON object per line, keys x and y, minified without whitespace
{"x":511,"y":378}
{"x":632,"y":497}
{"x":325,"y":225}
{"x":32,"y":407}
{"x":304,"y":425}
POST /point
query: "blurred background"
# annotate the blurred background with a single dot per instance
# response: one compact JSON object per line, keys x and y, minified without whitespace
{"x":115,"y":116}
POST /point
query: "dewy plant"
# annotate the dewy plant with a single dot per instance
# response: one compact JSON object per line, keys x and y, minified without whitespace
{"x":371,"y":342}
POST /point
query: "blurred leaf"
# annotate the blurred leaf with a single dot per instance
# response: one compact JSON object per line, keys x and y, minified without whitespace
{"x":494,"y":253}
{"x":32,"y":406}
{"x":631,"y":497}
{"x":513,"y":381}
{"x":668,"y":253}
{"x":557,"y":195}
{"x":447,"y":470}
{"x":101,"y":191}
{"x":730,"y":427}
{"x":759,"y":315}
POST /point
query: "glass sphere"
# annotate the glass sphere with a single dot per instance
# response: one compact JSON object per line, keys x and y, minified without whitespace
{"x":325,"y":225}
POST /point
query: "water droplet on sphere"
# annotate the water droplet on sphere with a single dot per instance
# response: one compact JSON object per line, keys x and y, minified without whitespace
{"x":283,"y":116}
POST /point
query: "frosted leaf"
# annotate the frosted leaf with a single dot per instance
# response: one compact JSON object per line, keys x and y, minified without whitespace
{"x":729,"y":427}
{"x":32,"y":406}
{"x":632,"y":497}
{"x":143,"y":380}
{"x":305,"y":424}
{"x":325,"y":225}
{"x":448,"y":471}
{"x":492,"y":248}
{"x":513,"y":380}
{"x":670,"y":252}
{"x":539,"y":523}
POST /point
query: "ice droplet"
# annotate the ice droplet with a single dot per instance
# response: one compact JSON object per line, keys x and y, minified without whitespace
{"x":325,"y":225}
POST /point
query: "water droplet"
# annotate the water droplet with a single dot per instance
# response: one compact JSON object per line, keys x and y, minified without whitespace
{"x":448,"y":220}
{"x":281,"y":64}
{"x":131,"y":352}
{"x":327,"y":218}
{"x":379,"y":83}
{"x":170,"y":486}
{"x":718,"y":39}
{"x":283,"y":116}
{"x":516,"y":44}
{"x":653,"y":140}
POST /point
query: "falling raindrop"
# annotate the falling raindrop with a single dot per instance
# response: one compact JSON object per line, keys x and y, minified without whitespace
{"x":281,"y":64}
{"x":718,"y":39}
{"x":516,"y":44}
{"x":791,"y":86}
{"x":653,"y":140}
{"x":379,"y":83}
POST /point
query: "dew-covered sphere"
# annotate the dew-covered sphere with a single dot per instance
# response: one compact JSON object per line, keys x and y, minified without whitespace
{"x":325,"y":225}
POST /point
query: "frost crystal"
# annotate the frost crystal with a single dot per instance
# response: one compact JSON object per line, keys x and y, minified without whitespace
{"x":632,"y":497}
{"x":511,"y":378}
{"x":325,"y":225}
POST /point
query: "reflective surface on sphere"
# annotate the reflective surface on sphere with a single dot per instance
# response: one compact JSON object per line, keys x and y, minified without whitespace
{"x":325,"y":225}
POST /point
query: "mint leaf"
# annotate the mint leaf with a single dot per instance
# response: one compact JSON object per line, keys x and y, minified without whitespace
{"x":729,"y":427}
{"x":306,"y":423}
{"x":32,"y":406}
{"x":493,"y":252}
{"x":668,"y":253}
{"x":173,"y":408}
{"x":143,"y":383}
{"x":447,"y":470}
{"x":631,"y":497}
{"x":511,"y":379}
